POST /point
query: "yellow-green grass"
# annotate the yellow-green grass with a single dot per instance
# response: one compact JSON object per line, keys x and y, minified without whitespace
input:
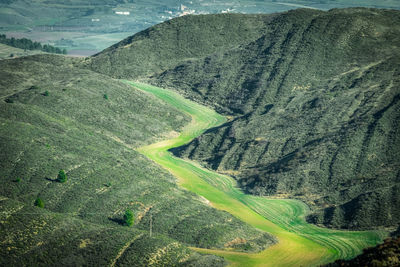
{"x":300,"y":243}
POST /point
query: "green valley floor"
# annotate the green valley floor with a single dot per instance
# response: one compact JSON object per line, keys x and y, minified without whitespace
{"x":300,"y":243}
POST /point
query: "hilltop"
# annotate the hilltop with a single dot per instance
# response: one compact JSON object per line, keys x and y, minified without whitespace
{"x":165,"y":45}
{"x":313,"y":99}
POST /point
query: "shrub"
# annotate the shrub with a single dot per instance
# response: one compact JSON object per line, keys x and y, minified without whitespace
{"x":105,"y":96}
{"x":46,"y":93}
{"x":128,"y":218}
{"x":8,"y":100}
{"x":61,"y":177}
{"x":39,"y":203}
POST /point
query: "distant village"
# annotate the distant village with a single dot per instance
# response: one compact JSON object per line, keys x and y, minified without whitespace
{"x":182,"y":11}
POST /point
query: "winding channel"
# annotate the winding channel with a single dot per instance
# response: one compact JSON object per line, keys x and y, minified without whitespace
{"x":300,"y":243}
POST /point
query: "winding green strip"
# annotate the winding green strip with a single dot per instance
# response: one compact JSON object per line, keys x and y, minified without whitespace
{"x":300,"y":243}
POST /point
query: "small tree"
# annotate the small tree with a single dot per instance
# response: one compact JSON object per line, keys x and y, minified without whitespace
{"x":129,"y":218}
{"x":46,"y":93}
{"x":39,"y":203}
{"x":61,"y":177}
{"x":105,"y":96}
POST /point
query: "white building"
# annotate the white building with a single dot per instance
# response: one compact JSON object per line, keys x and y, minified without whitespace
{"x":126,"y":13}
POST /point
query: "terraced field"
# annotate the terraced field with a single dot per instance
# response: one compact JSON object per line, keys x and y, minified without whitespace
{"x":299,"y":243}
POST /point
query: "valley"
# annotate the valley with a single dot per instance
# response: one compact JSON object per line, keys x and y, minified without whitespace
{"x":241,"y":139}
{"x":300,"y":243}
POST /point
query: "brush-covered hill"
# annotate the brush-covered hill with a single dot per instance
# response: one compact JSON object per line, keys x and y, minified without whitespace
{"x":165,"y":45}
{"x":55,"y":115}
{"x":314,"y":100}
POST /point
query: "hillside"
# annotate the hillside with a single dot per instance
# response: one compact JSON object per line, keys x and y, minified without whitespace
{"x":314,"y":102}
{"x":165,"y":45}
{"x":7,"y":52}
{"x":55,"y":115}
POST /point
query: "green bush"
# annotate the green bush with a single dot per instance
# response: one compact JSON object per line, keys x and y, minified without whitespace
{"x":39,"y":203}
{"x":46,"y":93}
{"x":105,"y":96}
{"x":129,"y":219}
{"x":61,"y":177}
